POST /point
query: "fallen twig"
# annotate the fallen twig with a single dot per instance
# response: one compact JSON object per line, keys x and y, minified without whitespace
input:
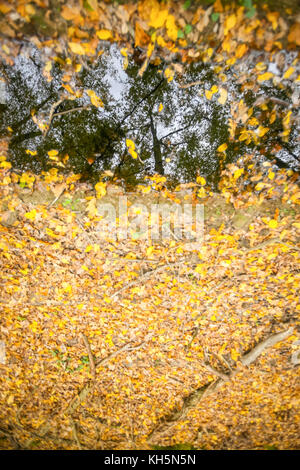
{"x":75,"y":402}
{"x":222,"y":376}
{"x":197,"y":395}
{"x":91,"y":358}
{"x":75,"y":433}
{"x":247,"y":359}
{"x":56,"y":198}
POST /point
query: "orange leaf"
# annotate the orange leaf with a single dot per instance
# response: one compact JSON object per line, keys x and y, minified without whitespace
{"x":294,"y":35}
{"x":141,"y":38}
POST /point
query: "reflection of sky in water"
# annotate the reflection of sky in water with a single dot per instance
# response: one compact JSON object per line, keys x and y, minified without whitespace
{"x":118,"y":81}
{"x":121,"y":90}
{"x":3,"y":98}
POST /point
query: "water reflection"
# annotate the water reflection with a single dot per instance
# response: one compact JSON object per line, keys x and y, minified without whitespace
{"x":176,"y":130}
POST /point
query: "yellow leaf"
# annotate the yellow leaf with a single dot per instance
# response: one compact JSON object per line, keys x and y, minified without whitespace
{"x":169,"y":74}
{"x":273,"y":116}
{"x":223,"y":96}
{"x":229,"y":23}
{"x":31,"y":152}
{"x":273,"y":223}
{"x":241,"y":50}
{"x":295,"y":197}
{"x":222,"y":148}
{"x":289,"y":72}
{"x":273,"y":18}
{"x":150,"y":49}
{"x":76,"y":48}
{"x":104,"y":34}
{"x":160,"y":108}
{"x":31,"y":215}
{"x":201,"y":180}
{"x":259,"y":186}
{"x":271,"y":175}
{"x":253,"y":122}
{"x":48,"y":66}
{"x":92,"y":208}
{"x":100,"y":189}
{"x":66,"y":287}
{"x":286,"y":119}
{"x":158,"y":17}
{"x":95,"y":100}
{"x":208,"y":94}
{"x":150,"y":250}
{"x":234,"y":354}
{"x":238,"y":173}
{"x":260,"y":66}
{"x":262,"y":131}
{"x":171,"y":28}
{"x":132,"y":153}
{"x":201,"y":193}
{"x":69,"y":89}
{"x":10,"y":399}
{"x":125,"y":63}
{"x":30,"y":10}
{"x":264,"y":76}
{"x":5,"y":165}
{"x":52,"y":153}
{"x":130,"y":144}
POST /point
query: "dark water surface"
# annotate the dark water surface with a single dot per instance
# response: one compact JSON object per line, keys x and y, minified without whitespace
{"x":180,"y":141}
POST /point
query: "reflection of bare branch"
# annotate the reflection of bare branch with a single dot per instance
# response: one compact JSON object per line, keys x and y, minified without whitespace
{"x":188,"y":85}
{"x":79,"y":108}
{"x":185,"y":127}
{"x":52,"y":110}
{"x":262,"y":99}
{"x":23,"y":121}
{"x":52,"y":114}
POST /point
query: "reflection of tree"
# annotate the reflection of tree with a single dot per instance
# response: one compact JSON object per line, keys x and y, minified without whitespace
{"x":181,"y":141}
{"x":156,"y":147}
{"x":180,"y":131}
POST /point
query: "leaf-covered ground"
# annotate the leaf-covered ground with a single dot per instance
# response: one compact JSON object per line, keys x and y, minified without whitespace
{"x":161,"y":321}
{"x":131,"y":344}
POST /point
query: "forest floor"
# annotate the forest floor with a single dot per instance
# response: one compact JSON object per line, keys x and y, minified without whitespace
{"x":111,"y":344}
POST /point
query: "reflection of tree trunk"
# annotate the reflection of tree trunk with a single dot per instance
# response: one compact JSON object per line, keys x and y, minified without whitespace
{"x":29,"y":135}
{"x":156,"y":148}
{"x":18,"y":124}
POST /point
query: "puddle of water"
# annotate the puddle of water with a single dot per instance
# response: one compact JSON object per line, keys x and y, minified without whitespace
{"x":180,"y":140}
